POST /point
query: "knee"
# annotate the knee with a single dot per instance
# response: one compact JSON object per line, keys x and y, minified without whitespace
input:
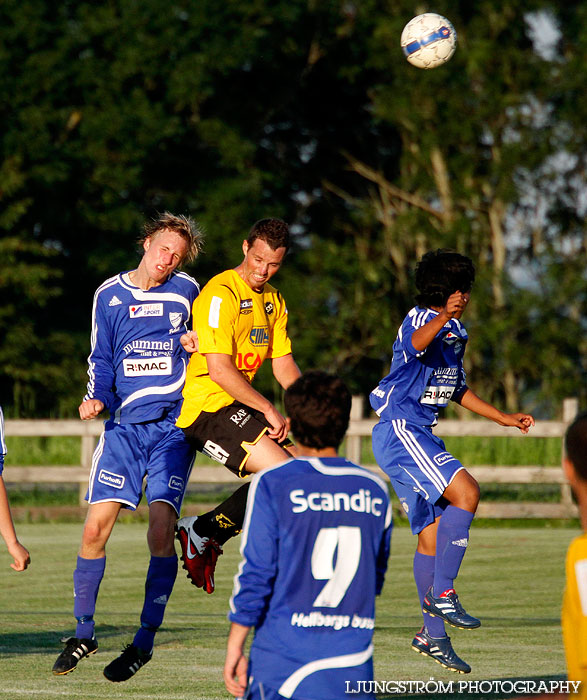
{"x":469,"y":497}
{"x":160,"y":537}
{"x":94,"y":536}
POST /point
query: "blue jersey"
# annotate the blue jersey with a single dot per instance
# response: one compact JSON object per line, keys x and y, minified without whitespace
{"x":315,"y":545}
{"x":419,"y":383}
{"x":137,"y":365}
{"x":2,"y":443}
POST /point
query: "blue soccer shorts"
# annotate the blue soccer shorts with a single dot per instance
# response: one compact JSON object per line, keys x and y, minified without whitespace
{"x":126,"y":454}
{"x":418,"y":466}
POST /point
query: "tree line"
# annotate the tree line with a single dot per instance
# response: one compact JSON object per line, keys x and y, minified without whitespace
{"x":308,"y":111}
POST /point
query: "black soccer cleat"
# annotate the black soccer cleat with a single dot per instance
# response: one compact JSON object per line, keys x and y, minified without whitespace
{"x":127,"y":664}
{"x":75,"y":650}
{"x":440,"y":650}
{"x":448,"y":608}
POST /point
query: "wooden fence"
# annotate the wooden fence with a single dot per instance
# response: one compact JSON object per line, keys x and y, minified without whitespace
{"x":359,"y":429}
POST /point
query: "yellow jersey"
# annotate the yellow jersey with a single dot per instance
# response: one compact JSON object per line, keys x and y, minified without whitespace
{"x":232,"y":319}
{"x":574,"y":614}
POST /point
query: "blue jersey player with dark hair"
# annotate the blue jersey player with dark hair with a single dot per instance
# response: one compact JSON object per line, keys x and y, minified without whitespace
{"x":439,"y":496}
{"x":137,"y":369}
{"x":315,"y":546}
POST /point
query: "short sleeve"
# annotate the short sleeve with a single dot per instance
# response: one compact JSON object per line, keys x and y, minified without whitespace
{"x":280,"y":342}
{"x":215,"y":312}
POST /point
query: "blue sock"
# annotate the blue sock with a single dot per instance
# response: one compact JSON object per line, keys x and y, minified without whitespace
{"x":158,"y":586}
{"x":86,"y":582}
{"x":452,"y":539}
{"x":424,"y":575}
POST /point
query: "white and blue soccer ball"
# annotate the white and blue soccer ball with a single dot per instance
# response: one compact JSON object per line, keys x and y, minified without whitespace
{"x":428,"y":40}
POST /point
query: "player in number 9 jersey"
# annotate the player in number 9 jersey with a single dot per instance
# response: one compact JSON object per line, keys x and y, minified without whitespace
{"x":315,"y":548}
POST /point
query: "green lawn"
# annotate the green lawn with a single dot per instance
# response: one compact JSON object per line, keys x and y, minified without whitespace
{"x":511,"y":578}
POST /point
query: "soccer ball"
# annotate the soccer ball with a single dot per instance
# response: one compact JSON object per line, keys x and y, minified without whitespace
{"x":428,"y":40}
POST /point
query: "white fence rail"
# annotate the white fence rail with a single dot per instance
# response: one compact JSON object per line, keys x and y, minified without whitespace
{"x":359,"y":429}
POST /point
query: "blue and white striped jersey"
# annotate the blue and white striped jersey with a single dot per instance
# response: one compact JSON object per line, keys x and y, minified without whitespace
{"x":137,"y":365}
{"x":419,"y":383}
{"x":315,"y":545}
{"x":2,"y":442}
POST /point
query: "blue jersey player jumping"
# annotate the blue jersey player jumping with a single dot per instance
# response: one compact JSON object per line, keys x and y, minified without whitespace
{"x":137,"y":369}
{"x":315,"y":546}
{"x":439,"y":496}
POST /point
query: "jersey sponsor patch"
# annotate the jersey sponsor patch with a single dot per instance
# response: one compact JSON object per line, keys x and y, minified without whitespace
{"x":215,"y":452}
{"x":434,"y":395}
{"x":145,"y":310}
{"x":111,"y":479}
{"x":360,"y":502}
{"x":246,"y":306}
{"x":248,"y":360}
{"x":147,"y":346}
{"x":442,"y":458}
{"x":147,"y":367}
{"x":176,"y":483}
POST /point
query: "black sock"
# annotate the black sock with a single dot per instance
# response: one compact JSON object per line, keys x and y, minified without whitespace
{"x":226,"y":520}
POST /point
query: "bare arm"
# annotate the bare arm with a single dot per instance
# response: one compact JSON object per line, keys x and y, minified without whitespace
{"x":223,"y":371}
{"x":285,"y":370}
{"x":16,"y":550}
{"x":522,"y":421}
{"x":422,"y":338}
{"x":236,"y":664}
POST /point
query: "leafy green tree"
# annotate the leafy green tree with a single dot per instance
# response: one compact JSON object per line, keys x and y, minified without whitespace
{"x":305,"y":110}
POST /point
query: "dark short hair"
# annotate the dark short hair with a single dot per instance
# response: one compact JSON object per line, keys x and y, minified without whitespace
{"x":274,"y":232}
{"x":319,"y":407}
{"x":576,"y":444}
{"x":441,"y":273}
{"x":184,"y":226}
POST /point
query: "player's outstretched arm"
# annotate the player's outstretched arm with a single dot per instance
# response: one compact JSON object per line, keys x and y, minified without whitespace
{"x":522,"y":421}
{"x":15,"y":549}
{"x":236,"y":664}
{"x":90,"y":409}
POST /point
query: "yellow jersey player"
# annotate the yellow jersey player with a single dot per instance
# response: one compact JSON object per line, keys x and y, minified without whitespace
{"x":574,"y":612}
{"x":239,"y":321}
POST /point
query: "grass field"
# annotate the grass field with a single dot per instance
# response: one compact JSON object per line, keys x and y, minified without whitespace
{"x":511,"y":578}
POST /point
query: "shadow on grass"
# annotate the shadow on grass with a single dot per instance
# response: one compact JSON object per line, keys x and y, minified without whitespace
{"x":461,"y":689}
{"x":19,"y":643}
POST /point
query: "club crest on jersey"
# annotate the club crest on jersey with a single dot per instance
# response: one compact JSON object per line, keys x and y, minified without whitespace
{"x":246,"y":306}
{"x":145,"y":310}
{"x":175,"y":318}
{"x":450,"y":338}
{"x":269,"y":308}
{"x":259,"y":335}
